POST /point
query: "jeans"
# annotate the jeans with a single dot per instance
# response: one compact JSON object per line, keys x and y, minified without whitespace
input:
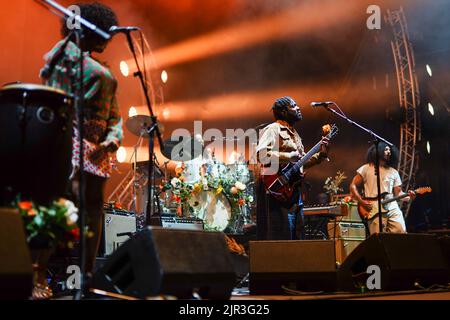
{"x":295,"y":217}
{"x":277,"y":220}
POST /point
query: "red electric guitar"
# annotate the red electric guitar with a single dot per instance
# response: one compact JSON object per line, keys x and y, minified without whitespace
{"x":281,"y":185}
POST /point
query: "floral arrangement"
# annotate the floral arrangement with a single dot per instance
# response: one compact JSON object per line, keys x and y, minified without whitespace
{"x":332,"y":185}
{"x":55,"y":225}
{"x":183,"y":192}
{"x":234,"y":247}
{"x":348,"y":200}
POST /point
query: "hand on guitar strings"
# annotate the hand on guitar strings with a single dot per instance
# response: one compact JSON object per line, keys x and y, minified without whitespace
{"x":102,"y":148}
{"x":324,"y":147}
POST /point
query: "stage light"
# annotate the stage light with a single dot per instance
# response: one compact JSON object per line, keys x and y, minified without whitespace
{"x":166,"y":113}
{"x":164,"y":76}
{"x":124,"y":68}
{"x":431,"y":109}
{"x":132,"y":112}
{"x":430,"y":73}
{"x":121,"y":154}
{"x":428,"y":147}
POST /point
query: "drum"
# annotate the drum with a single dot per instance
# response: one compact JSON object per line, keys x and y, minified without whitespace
{"x":36,"y":148}
{"x":214,"y":209}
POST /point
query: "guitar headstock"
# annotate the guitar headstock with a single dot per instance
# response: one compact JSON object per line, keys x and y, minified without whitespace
{"x":422,"y":190}
{"x":329,"y":130}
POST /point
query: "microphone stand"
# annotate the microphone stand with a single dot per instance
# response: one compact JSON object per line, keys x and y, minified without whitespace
{"x":79,"y":104}
{"x":151,"y":130}
{"x":376,"y":139}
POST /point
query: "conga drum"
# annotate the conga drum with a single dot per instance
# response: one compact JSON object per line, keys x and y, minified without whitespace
{"x":36,"y":142}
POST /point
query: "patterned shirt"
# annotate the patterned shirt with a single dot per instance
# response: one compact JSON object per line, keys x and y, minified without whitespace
{"x":103,"y":122}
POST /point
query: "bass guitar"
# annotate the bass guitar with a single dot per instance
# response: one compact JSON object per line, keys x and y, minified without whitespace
{"x":281,"y":185}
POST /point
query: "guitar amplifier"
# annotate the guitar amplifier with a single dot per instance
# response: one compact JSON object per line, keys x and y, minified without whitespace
{"x":118,"y":226}
{"x":347,"y":236}
{"x":347,"y":230}
{"x":174,"y":222}
{"x":353,"y":214}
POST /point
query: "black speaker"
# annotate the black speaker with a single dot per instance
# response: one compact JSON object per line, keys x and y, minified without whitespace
{"x":404,"y":260}
{"x":16,"y":274}
{"x":159,"y":261}
{"x":304,"y":265}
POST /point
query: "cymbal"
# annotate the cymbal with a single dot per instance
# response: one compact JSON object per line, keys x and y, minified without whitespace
{"x":184,"y":149}
{"x":138,"y":125}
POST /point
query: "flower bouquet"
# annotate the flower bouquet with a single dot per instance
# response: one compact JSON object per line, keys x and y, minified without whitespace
{"x":332,"y":185}
{"x":52,"y":226}
{"x":184,"y":193}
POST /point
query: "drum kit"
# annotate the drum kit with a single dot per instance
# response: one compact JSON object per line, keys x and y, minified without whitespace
{"x":201,"y":173}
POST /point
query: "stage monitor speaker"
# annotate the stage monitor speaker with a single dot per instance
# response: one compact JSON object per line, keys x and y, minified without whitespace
{"x":303,"y":265}
{"x":404,"y":260}
{"x":16,"y":274}
{"x":158,"y":261}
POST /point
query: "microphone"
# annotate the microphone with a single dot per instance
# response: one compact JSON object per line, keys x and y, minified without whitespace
{"x":116,"y":29}
{"x":321,"y":104}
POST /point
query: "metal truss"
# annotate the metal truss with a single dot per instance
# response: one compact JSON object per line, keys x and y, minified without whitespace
{"x":408,"y":89}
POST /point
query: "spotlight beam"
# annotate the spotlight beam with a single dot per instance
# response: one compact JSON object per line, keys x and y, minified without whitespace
{"x":303,"y":19}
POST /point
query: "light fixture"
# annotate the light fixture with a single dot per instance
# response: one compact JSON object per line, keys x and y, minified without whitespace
{"x":132,"y":112}
{"x":166,"y":113}
{"x":124,"y":68}
{"x":428,"y":147}
{"x":121,"y":154}
{"x":430,"y":109}
{"x":430,"y":73}
{"x":164,"y":76}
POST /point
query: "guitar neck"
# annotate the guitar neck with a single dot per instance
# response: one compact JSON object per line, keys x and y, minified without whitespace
{"x":296,"y":167}
{"x":395,"y":198}
{"x":307,"y":156}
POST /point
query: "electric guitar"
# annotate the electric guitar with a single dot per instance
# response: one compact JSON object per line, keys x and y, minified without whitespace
{"x":281,"y":185}
{"x":366,"y":214}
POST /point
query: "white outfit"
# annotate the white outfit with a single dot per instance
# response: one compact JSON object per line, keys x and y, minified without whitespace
{"x":393,"y":221}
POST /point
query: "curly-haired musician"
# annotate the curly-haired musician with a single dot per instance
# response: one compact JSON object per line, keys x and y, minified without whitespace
{"x":280,"y":144}
{"x":390,"y":183}
{"x":102,"y":125}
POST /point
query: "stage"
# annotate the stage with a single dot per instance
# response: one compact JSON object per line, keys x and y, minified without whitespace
{"x":232,"y":150}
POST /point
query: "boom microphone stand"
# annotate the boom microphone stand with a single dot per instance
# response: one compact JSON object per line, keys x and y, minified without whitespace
{"x":79,"y":103}
{"x":376,"y":139}
{"x":152,"y":130}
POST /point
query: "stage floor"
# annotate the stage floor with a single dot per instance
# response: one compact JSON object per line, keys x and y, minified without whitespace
{"x":394,"y":295}
{"x":242,"y":296}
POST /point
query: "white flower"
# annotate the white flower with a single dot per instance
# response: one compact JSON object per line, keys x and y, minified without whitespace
{"x":72,"y":219}
{"x":205,"y":184}
{"x":250,"y":199}
{"x":239,"y":185}
{"x":175,"y":182}
{"x":70,"y":207}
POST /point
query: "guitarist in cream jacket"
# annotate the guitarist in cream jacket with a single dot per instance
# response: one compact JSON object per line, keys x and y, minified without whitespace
{"x":391,"y":183}
{"x":279,"y":144}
